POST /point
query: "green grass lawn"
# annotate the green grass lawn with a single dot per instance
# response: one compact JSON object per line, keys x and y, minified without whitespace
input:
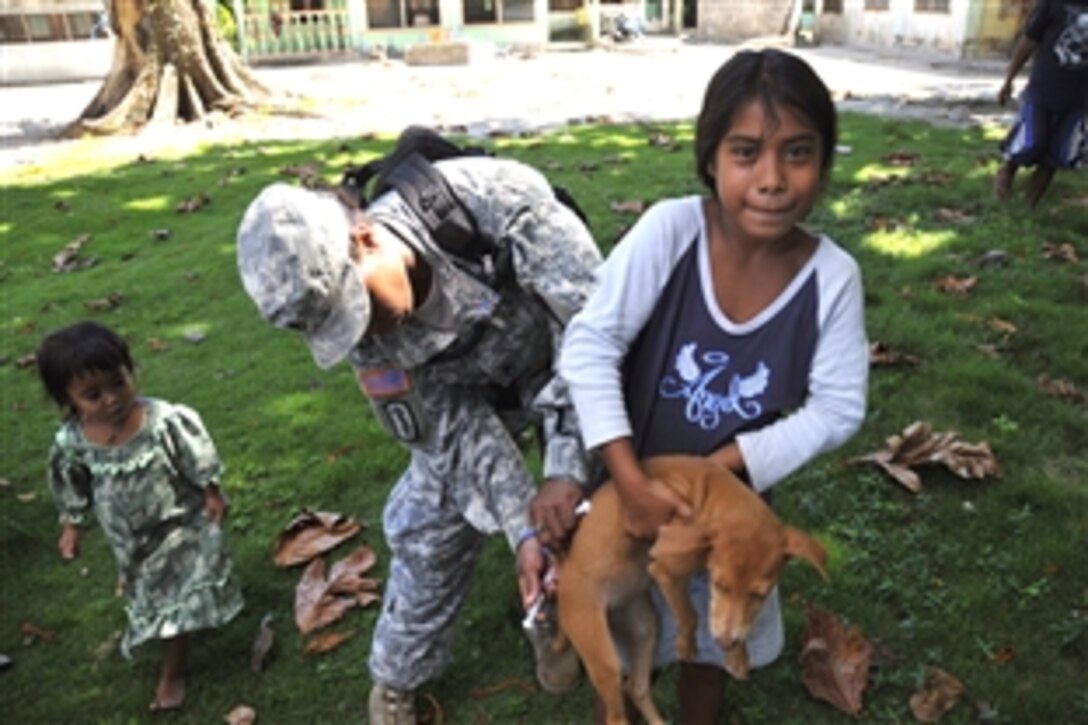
{"x":985,"y":580}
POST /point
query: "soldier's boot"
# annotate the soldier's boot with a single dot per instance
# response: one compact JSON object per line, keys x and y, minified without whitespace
{"x":388,"y":706}
{"x":557,"y":663}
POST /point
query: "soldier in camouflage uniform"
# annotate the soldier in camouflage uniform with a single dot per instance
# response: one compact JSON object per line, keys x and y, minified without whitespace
{"x":455,"y":369}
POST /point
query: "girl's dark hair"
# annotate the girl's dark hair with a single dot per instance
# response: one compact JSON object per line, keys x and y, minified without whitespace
{"x":775,"y":79}
{"x":78,"y":349}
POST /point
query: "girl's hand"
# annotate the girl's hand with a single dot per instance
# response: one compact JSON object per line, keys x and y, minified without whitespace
{"x":729,"y":457}
{"x":215,"y":506}
{"x":69,"y":542}
{"x":648,"y":505}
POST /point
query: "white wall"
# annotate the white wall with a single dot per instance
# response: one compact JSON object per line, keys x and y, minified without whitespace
{"x":898,"y":27}
{"x":55,"y":61}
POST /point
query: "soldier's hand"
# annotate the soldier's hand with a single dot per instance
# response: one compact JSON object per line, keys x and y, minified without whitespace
{"x":552,"y":511}
{"x":532,"y":564}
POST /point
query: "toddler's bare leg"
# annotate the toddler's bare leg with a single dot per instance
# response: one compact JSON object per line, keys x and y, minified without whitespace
{"x":170,"y":693}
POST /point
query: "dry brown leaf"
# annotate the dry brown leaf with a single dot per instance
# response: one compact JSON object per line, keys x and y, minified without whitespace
{"x":156,"y":344}
{"x":5,"y":484}
{"x":346,"y":575}
{"x":938,"y":696}
{"x":834,"y":661}
{"x":68,"y":259}
{"x":104,"y":304}
{"x":306,"y":173}
{"x":32,"y":633}
{"x":193,"y":203}
{"x":918,"y":445}
{"x":311,"y":533}
{"x":1060,"y":252}
{"x":314,"y":607}
{"x":262,"y":644}
{"x":881,"y":354}
{"x":1003,"y":326}
{"x":321,"y":643}
{"x":937,"y":178}
{"x":241,"y":715}
{"x":26,"y":361}
{"x":633,"y":206}
{"x":320,"y":601}
{"x":341,"y":451}
{"x":954,"y":216}
{"x":26,"y":497}
{"x":902,"y":158}
{"x":1061,"y":388}
{"x":953,"y":285}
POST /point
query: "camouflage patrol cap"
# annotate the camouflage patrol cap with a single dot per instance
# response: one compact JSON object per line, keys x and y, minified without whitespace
{"x":294,"y":258}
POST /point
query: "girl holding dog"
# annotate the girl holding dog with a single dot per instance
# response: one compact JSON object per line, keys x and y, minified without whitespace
{"x":723,"y":327}
{"x":149,"y":472}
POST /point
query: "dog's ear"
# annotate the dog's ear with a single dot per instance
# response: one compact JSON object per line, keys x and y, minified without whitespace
{"x":803,"y":546}
{"x":681,"y":549}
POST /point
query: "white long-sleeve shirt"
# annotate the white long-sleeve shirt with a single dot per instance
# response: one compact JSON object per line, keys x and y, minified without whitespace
{"x":651,"y":355}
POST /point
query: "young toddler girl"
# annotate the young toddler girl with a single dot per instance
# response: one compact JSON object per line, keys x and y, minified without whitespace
{"x":722,"y":327}
{"x":150,"y":473}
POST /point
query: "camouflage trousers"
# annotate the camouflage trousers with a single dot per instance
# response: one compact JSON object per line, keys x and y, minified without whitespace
{"x":434,"y":553}
{"x":436,"y":520}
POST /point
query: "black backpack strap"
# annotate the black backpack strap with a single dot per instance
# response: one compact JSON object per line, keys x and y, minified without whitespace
{"x":429,"y":195}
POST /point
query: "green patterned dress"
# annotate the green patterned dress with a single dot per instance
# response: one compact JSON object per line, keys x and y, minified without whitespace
{"x":147,"y":494}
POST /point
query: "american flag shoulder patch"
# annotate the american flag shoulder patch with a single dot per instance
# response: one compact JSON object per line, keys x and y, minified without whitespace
{"x":384,"y":383}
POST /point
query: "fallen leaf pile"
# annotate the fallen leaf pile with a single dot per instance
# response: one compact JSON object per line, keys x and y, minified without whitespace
{"x":324,"y":594}
{"x":834,"y":661}
{"x":918,"y":445}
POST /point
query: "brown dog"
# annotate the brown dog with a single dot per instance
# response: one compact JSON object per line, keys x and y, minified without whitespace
{"x":604,"y":578}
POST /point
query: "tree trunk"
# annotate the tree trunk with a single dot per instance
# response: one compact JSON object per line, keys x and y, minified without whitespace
{"x":169,"y":64}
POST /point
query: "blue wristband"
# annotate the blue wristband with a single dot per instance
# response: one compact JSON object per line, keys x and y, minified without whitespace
{"x":526,"y":533}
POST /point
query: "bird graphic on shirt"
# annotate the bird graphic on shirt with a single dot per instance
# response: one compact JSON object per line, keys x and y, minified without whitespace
{"x":740,"y":387}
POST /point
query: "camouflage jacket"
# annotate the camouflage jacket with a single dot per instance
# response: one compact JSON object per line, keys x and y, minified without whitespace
{"x":470,"y":348}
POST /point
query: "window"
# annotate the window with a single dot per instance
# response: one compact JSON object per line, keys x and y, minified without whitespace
{"x":401,"y":13}
{"x":931,"y":6}
{"x":42,"y":27}
{"x":498,"y":11}
{"x":833,"y":6}
{"x":876,"y":4}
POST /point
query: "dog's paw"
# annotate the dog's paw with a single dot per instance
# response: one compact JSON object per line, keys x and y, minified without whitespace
{"x":736,"y":662}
